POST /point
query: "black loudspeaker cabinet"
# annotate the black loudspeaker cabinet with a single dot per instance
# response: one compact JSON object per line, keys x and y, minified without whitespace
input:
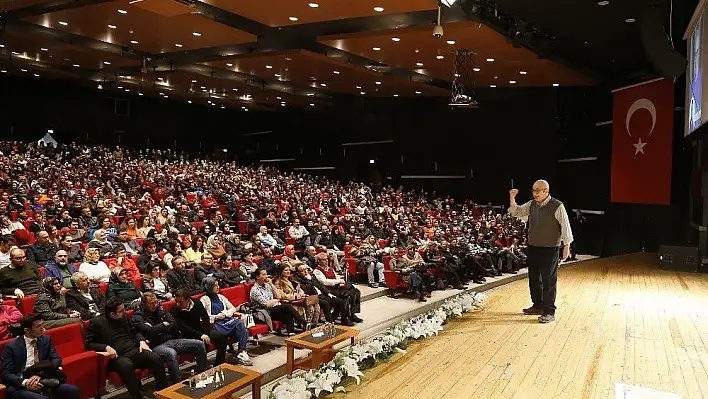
{"x":679,"y":258}
{"x":665,"y":60}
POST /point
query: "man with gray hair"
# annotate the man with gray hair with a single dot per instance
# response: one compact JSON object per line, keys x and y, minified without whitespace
{"x":549,"y":228}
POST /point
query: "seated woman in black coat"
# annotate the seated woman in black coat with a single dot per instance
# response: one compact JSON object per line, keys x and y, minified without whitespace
{"x":119,"y":286}
{"x":88,"y":300}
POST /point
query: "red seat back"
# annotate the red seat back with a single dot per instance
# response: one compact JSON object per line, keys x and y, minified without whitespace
{"x":26,"y":304}
{"x":66,"y":340}
{"x":236,"y":295}
{"x":168,"y":305}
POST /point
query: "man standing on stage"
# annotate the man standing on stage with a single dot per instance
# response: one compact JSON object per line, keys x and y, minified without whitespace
{"x":548,"y":228}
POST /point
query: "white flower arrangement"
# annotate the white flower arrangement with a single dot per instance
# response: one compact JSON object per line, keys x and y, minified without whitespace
{"x":349,"y":363}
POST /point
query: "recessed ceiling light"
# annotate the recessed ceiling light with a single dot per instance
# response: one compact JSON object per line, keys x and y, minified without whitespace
{"x":490,"y":59}
{"x":15,"y":53}
{"x":440,"y":57}
{"x":196,"y":33}
{"x":189,"y":101}
{"x":313,"y":5}
{"x":277,"y":75}
{"x":234,"y":89}
{"x":2,"y":46}
{"x":312,"y":105}
{"x":36,"y":75}
{"x":323,"y":84}
{"x":134,"y":41}
{"x":76,"y":65}
{"x":362,"y":92}
{"x":166,"y":96}
{"x":127,"y":90}
{"x":140,"y":94}
{"x":62,"y":23}
{"x":450,"y":42}
{"x":3,"y":71}
{"x":23,"y":70}
{"x":269,"y":67}
{"x":377,"y":48}
{"x":358,"y":87}
{"x":122,"y":11}
{"x":512,"y":81}
{"x":630,"y":20}
{"x":120,"y":87}
{"x":420,"y":64}
{"x":44,"y":49}
{"x":335,"y":72}
{"x":310,"y":94}
{"x":476,"y":69}
{"x":395,"y":95}
{"x":293,"y":19}
{"x":194,"y":80}
{"x":378,"y":9}
{"x":492,"y":85}
{"x":245,"y":109}
{"x":223,"y":106}
{"x":522,"y":72}
{"x":378,"y":83}
{"x":178,"y":45}
{"x":603,"y":3}
{"x":112,"y":26}
{"x":279,"y":98}
{"x":282,"y":104}
{"x":556,"y":84}
{"x":396,"y":39}
{"x":106,"y":62}
{"x":417,"y":92}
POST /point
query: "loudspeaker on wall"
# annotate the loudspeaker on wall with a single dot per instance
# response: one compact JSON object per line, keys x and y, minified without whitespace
{"x":657,"y":45}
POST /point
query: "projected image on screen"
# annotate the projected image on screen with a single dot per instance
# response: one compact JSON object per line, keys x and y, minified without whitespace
{"x":695,"y":78}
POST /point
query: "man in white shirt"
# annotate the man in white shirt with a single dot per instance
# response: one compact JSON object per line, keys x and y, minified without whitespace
{"x":5,"y":248}
{"x":28,"y":356}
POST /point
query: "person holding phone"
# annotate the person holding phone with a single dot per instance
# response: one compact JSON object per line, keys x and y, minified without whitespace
{"x":549,"y":235}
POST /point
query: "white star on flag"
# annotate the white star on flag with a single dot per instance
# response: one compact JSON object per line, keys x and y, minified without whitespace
{"x":639,"y":147}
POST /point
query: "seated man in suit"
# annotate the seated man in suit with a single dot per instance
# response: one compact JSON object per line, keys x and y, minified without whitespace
{"x":28,"y":361}
{"x":112,"y":334}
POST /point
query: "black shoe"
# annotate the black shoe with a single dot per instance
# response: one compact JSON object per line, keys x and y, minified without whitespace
{"x":546,"y":318}
{"x":461,"y":288}
{"x":533,"y":311}
{"x":356,"y":319}
{"x":346,"y":322}
{"x":422,"y":299}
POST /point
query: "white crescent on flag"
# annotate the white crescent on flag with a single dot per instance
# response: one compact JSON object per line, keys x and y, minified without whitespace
{"x":641,"y":103}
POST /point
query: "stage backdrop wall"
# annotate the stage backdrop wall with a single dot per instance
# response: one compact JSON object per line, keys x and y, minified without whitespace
{"x":558,"y":134}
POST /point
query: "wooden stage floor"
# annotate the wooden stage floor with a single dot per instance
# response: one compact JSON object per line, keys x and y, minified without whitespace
{"x":620,"y":320}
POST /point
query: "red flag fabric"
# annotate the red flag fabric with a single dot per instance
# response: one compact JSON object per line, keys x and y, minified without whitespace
{"x":642,"y":133}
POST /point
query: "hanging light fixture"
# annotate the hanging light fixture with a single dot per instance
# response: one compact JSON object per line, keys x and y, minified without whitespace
{"x":448,"y":3}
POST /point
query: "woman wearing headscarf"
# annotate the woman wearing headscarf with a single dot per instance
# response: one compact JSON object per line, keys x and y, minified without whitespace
{"x":51,"y":305}
{"x":225,"y":318}
{"x":95,"y":269}
{"x":289,"y":258}
{"x":122,"y":288}
{"x":100,"y":242}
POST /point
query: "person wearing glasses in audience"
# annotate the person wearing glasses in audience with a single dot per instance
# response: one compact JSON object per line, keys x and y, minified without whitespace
{"x":549,"y":235}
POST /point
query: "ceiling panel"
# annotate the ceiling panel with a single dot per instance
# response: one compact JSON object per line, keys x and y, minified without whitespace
{"x":280,"y":12}
{"x":219,"y":91}
{"x":417,"y":49}
{"x":7,"y":5}
{"x":22,"y":46}
{"x":306,"y":69}
{"x":155,"y":26}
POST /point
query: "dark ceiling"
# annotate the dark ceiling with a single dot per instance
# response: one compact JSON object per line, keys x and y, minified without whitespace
{"x":275,"y":53}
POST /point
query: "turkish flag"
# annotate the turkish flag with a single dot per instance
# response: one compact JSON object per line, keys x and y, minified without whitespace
{"x":642,"y":132}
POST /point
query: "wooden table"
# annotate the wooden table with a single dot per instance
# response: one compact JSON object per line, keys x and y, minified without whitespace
{"x":321,"y":349}
{"x":237,"y":377}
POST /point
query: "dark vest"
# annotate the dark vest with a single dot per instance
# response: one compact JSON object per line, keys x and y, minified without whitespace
{"x":544,"y":229}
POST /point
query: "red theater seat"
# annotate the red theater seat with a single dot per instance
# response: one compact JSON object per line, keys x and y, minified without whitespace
{"x":80,"y":365}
